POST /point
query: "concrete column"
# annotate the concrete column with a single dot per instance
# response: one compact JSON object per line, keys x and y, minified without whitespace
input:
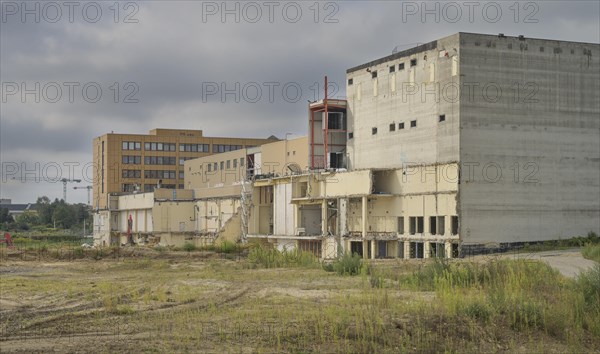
{"x":448,"y":249}
{"x":426,"y":249}
{"x":324,"y":217}
{"x":364,"y":226}
{"x":342,"y":216}
{"x":373,"y":247}
{"x":406,"y":246}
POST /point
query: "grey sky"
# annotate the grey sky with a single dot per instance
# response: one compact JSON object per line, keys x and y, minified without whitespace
{"x":176,"y":46}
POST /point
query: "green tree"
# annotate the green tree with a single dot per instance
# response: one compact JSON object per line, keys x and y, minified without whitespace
{"x":27,"y":220}
{"x":64,"y":215}
{"x":5,"y":217}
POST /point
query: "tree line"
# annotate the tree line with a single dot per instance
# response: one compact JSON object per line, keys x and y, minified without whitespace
{"x":56,"y":214}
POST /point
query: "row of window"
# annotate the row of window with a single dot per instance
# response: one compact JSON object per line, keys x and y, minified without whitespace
{"x":224,"y":165}
{"x":225,"y":148}
{"x":151,"y":174}
{"x":159,"y":147}
{"x":160,"y":174}
{"x":437,"y":225}
{"x":132,"y":173}
{"x":413,"y":124}
{"x":153,"y":160}
{"x":136,"y":145}
{"x":392,"y":69}
{"x":194,"y":147}
{"x":159,"y":160}
{"x":132,"y":187}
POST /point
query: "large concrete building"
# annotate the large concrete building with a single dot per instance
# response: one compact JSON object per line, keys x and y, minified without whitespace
{"x":125,"y":163}
{"x":469,"y":141}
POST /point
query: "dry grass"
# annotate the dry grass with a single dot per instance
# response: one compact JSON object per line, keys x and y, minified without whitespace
{"x":174,"y":302}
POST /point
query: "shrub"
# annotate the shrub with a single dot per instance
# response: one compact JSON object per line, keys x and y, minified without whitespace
{"x":591,"y":251}
{"x":348,"y":264}
{"x":189,"y":247}
{"x":589,"y":284}
{"x":273,"y":258}
{"x":478,"y":310}
{"x":228,"y":247}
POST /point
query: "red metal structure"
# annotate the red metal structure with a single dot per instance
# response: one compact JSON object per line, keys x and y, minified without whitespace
{"x":320,"y":132}
{"x":8,"y":240}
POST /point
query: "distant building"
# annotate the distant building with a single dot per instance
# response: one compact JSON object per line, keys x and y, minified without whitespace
{"x":126,"y":163}
{"x":17,"y":209}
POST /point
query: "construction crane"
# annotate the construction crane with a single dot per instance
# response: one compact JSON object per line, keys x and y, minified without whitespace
{"x":89,"y":188}
{"x":50,"y":180}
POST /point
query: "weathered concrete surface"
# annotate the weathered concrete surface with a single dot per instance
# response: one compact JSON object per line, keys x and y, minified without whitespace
{"x":568,"y":262}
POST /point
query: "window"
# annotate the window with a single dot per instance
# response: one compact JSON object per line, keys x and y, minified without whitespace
{"x":401,"y":225}
{"x":146,"y":146}
{"x":181,"y":176}
{"x":125,"y":146}
{"x":393,"y":127}
{"x":242,"y":161}
{"x":229,"y":164}
{"x":413,"y":62}
{"x":400,"y":126}
{"x":433,"y":225}
{"x":413,"y":123}
{"x":454,"y":225}
{"x":392,"y":68}
{"x":335,"y":121}
{"x":222,"y":165}
{"x":235,"y":163}
{"x":373,"y":131}
{"x":420,"y":224}
{"x":215,"y":166}
{"x":350,"y":135}
{"x":400,"y":66}
{"x":350,"y":82}
{"x":412,"y":225}
{"x":441,"y":225}
{"x":209,"y":169}
{"x":374,"y":74}
{"x":442,"y":117}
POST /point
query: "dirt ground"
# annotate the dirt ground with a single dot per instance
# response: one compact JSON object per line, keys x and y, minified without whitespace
{"x":190,"y":303}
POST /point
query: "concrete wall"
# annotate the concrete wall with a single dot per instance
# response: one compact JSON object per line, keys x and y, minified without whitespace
{"x":199,"y":176}
{"x":276,"y":156}
{"x":534,"y":153}
{"x":414,"y":93}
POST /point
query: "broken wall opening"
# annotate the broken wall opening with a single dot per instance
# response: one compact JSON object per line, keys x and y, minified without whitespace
{"x":310,"y":219}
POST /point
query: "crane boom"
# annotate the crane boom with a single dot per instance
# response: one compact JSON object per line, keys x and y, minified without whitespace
{"x":50,"y":180}
{"x":89,"y":188}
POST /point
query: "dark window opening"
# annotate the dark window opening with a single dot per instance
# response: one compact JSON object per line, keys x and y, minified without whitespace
{"x":393,"y":127}
{"x":350,"y":135}
{"x":401,"y":225}
{"x":374,"y":74}
{"x":441,"y":225}
{"x":442,"y":117}
{"x":454,"y":225}
{"x":413,"y":123}
{"x":413,"y":62}
{"x":373,"y":131}
{"x":392,"y":69}
{"x":401,"y":66}
{"x":433,"y":225}
{"x":401,"y":126}
{"x":356,"y":247}
{"x":350,"y":82}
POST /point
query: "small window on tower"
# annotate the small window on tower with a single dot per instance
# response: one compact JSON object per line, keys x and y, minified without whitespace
{"x":393,"y":127}
{"x":392,"y":69}
{"x":400,"y":66}
{"x":413,"y":123}
{"x":413,"y":62}
{"x":350,"y":82}
{"x":373,"y":131}
{"x":442,"y":117}
{"x":374,"y":74}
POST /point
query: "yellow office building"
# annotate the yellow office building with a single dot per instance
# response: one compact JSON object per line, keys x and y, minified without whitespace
{"x":125,"y":163}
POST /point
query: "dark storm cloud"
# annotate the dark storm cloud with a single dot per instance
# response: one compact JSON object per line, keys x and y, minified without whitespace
{"x":171,"y":55}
